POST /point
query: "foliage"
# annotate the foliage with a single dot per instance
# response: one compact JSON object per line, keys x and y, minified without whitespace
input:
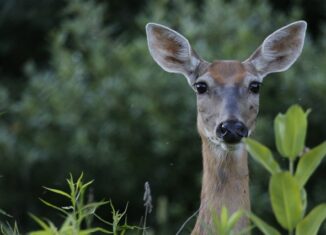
{"x":224,"y":223}
{"x":262,"y":225}
{"x":19,"y":19}
{"x":79,"y":213}
{"x":290,"y":131}
{"x":102,"y":106}
{"x":5,"y":227}
{"x":286,"y":187}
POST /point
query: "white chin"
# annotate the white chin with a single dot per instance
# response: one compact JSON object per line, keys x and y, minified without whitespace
{"x":230,"y":147}
{"x":225,"y":146}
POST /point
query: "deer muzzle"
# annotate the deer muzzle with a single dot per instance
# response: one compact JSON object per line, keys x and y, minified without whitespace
{"x":231,"y":131}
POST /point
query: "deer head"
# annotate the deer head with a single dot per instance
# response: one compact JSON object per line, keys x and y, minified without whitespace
{"x":227,"y":91}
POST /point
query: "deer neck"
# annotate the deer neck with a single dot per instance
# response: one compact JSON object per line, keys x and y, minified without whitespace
{"x":225,"y":183}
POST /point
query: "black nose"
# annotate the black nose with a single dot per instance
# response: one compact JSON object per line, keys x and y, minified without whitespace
{"x":232,"y":131}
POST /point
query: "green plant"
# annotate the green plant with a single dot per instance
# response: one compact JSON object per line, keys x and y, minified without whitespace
{"x":224,"y":223}
{"x":80,"y":214}
{"x":6,"y":228}
{"x":286,"y":187}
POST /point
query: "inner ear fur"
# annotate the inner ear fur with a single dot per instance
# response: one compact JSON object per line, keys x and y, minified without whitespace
{"x":280,"y":49}
{"x":171,"y":50}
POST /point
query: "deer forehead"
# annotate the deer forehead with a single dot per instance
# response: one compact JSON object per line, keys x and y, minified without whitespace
{"x":227,"y":72}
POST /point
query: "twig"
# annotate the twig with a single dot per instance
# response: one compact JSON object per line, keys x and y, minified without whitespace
{"x":148,"y":204}
{"x":184,"y":224}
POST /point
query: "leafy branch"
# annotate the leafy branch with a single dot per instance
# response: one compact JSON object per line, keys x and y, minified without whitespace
{"x":286,"y":187}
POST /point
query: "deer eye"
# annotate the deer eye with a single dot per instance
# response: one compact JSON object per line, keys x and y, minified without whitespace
{"x":201,"y":87}
{"x":254,"y":87}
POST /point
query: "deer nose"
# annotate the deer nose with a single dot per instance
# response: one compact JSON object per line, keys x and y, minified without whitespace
{"x":232,"y":131}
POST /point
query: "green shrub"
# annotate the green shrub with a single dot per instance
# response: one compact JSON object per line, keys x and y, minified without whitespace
{"x":287,"y":187}
{"x":79,"y":214}
{"x":5,"y":227}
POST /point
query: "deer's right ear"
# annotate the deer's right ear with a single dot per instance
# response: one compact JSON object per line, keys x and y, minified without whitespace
{"x":171,"y":50}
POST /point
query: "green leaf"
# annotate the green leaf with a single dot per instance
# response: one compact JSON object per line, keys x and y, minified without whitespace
{"x":53,"y":206}
{"x":71,"y":185}
{"x":40,"y":233}
{"x":262,"y":155}
{"x":94,"y":230}
{"x":60,"y":192}
{"x":224,"y":217}
{"x":245,"y":231}
{"x":217,"y":224}
{"x":265,"y":228}
{"x":234,"y":218}
{"x":279,"y":130}
{"x":286,"y":199}
{"x":290,"y":131}
{"x":79,"y":181}
{"x":309,"y":162}
{"x":312,"y":222}
{"x":4,"y":213}
{"x":91,"y":208}
{"x":40,"y":222}
{"x":304,"y":200}
{"x":66,"y":225}
{"x":84,"y":186}
{"x":94,"y":205}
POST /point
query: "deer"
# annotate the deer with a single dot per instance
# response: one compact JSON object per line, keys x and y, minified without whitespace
{"x":227,"y":94}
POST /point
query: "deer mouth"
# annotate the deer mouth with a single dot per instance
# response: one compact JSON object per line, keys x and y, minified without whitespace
{"x":226,"y":146}
{"x":227,"y":137}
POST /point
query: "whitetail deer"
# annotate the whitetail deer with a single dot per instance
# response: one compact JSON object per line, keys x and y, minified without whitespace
{"x":227,"y":105}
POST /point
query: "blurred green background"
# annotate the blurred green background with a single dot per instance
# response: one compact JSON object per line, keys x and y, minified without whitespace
{"x":79,"y":93}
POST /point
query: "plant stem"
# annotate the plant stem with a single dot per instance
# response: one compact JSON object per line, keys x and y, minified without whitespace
{"x":145,"y":218}
{"x":291,"y":167}
{"x":184,"y":224}
{"x":290,"y":232}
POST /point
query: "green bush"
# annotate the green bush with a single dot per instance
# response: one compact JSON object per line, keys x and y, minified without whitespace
{"x":79,"y":214}
{"x":287,"y":187}
{"x":5,"y":227}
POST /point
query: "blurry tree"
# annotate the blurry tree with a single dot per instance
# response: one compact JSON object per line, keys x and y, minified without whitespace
{"x":23,"y":29}
{"x":98,"y":109}
{"x":105,"y":108}
{"x":314,"y":11}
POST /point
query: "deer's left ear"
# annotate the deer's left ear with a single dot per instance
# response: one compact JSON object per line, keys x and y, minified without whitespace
{"x":280,"y":49}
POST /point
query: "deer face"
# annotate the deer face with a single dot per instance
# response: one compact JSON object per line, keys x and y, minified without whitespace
{"x":227,"y":102}
{"x":227,"y":91}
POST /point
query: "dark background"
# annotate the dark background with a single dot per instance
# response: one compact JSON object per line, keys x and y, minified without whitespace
{"x":79,"y":93}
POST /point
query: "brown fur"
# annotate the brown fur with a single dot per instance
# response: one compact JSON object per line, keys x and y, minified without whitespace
{"x":225,"y":183}
{"x":289,"y":41}
{"x":227,"y":72}
{"x":225,"y":171}
{"x":172,"y":46}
